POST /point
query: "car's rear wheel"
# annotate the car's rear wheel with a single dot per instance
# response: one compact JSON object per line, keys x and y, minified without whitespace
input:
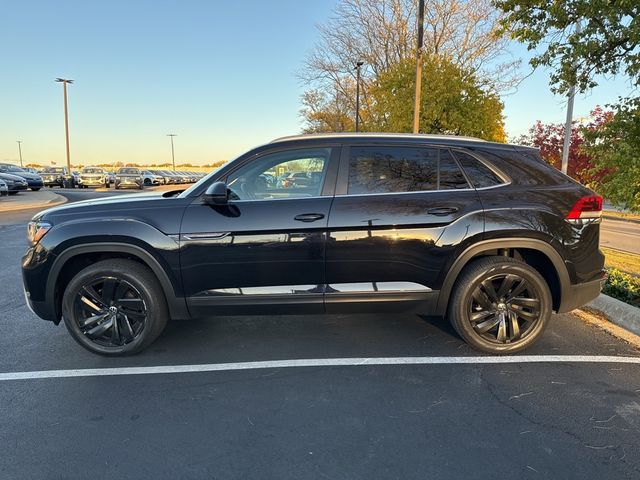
{"x":115,"y":307}
{"x":500,"y":305}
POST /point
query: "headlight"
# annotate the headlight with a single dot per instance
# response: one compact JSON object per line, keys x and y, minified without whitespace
{"x":37,"y":230}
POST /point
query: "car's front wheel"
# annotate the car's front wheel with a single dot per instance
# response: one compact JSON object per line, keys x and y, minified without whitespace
{"x":115,"y":307}
{"x":500,"y":305}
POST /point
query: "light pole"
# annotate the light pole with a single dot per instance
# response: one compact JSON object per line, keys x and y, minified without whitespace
{"x":64,"y":82}
{"x":569,"y":120}
{"x":416,"y":105}
{"x":173,"y":156}
{"x":358,"y":65}
{"x":20,"y":150}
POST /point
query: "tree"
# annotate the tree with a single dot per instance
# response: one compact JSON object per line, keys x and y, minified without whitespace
{"x":608,"y":42}
{"x":452,"y":101}
{"x":549,"y":138}
{"x":326,"y":114}
{"x":382,"y":33}
{"x":615,"y":147}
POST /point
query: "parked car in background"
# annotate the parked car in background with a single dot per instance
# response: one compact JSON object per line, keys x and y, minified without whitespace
{"x":129,"y":177}
{"x":4,"y":190}
{"x":172,"y":177}
{"x":149,"y":178}
{"x":54,"y":176}
{"x":93,"y":177}
{"x":485,"y":234}
{"x":34,"y":181}
{"x":30,"y":170}
{"x":112,"y":177}
{"x":14,"y":183}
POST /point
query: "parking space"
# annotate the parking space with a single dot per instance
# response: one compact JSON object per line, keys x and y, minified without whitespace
{"x":536,"y":418}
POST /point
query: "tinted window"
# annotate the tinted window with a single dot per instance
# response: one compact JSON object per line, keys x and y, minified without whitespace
{"x":480,"y":175}
{"x":129,"y":171}
{"x":451,"y":177}
{"x":402,"y":169}
{"x":287,"y":174}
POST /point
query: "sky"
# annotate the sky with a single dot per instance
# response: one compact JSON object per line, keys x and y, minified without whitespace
{"x":219,"y":74}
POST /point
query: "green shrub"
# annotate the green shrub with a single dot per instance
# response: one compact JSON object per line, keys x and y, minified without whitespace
{"x":623,"y":286}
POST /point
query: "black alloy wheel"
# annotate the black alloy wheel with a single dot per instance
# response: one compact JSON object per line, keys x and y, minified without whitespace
{"x":110,"y":311}
{"x":115,"y":307}
{"x":500,"y":305}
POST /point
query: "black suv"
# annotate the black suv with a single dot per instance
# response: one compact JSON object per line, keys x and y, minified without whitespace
{"x":486,"y":234}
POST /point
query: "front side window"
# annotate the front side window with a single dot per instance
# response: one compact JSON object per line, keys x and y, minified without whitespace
{"x":402,"y":169}
{"x":287,"y":174}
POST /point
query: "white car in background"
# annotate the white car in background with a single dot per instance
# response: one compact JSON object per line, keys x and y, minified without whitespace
{"x":149,"y":178}
{"x":4,"y":190}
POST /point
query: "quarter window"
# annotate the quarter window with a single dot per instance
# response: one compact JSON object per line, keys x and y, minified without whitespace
{"x":402,"y":169}
{"x":481,"y":176}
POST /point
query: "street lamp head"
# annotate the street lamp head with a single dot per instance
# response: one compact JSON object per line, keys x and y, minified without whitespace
{"x":359,"y":64}
{"x":63,"y":80}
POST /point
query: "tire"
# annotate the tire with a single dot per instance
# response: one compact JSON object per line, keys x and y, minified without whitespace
{"x":147,"y":182}
{"x":116,"y":187}
{"x":131,"y":289}
{"x":35,"y":189}
{"x":500,"y":305}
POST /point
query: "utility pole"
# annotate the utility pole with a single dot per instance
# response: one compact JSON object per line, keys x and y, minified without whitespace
{"x":416,"y":105}
{"x":358,"y":65}
{"x":64,"y":82}
{"x":173,"y":156}
{"x":20,"y":150}
{"x":569,"y":120}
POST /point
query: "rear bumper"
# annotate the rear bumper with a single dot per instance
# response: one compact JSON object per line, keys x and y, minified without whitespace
{"x":581,"y":294}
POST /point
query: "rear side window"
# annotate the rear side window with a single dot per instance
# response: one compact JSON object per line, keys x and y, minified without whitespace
{"x":480,"y":175}
{"x":402,"y":169}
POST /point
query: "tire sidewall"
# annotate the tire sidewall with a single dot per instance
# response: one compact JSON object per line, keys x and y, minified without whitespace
{"x":143,"y":286}
{"x":462,"y":301}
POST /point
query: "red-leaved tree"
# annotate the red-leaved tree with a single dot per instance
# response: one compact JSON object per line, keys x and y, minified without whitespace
{"x":549,"y":138}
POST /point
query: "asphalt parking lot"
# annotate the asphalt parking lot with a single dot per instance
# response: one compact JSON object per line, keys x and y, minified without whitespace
{"x":538,"y":417}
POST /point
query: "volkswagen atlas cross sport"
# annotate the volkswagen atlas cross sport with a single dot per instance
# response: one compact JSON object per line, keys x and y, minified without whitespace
{"x":485,"y":234}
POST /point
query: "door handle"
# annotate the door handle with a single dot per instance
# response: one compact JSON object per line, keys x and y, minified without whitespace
{"x":442,"y":211}
{"x":308,"y":217}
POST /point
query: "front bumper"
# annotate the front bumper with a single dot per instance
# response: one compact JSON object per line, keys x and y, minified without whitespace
{"x":17,"y":187}
{"x":35,"y":183}
{"x":36,"y":264}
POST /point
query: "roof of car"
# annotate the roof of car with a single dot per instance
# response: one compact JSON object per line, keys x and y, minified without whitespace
{"x":342,"y":135}
{"x":392,"y":136}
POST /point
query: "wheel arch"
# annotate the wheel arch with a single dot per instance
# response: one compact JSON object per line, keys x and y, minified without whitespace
{"x":78,"y":256}
{"x":537,"y":253}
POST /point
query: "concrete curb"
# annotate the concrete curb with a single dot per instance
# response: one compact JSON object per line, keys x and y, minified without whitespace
{"x":619,"y":219}
{"x":43,"y":205}
{"x":618,"y":313}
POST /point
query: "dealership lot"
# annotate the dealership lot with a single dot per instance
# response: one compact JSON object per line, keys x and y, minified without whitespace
{"x":537,"y":419}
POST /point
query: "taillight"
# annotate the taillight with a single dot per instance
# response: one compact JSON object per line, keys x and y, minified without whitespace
{"x":586,"y":210}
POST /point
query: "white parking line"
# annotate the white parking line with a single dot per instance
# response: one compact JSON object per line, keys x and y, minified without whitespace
{"x":314,"y":362}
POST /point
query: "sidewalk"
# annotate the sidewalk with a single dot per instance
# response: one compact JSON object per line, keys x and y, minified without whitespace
{"x":28,"y":199}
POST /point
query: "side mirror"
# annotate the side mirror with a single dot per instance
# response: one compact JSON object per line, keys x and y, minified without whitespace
{"x":217,"y":194}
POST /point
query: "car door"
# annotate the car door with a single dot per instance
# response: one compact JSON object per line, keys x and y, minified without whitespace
{"x":264,"y":250}
{"x":399,"y":214}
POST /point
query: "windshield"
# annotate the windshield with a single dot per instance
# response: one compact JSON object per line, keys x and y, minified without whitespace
{"x":129,"y":171}
{"x":54,"y":170}
{"x":93,"y":170}
{"x":196,"y":185}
